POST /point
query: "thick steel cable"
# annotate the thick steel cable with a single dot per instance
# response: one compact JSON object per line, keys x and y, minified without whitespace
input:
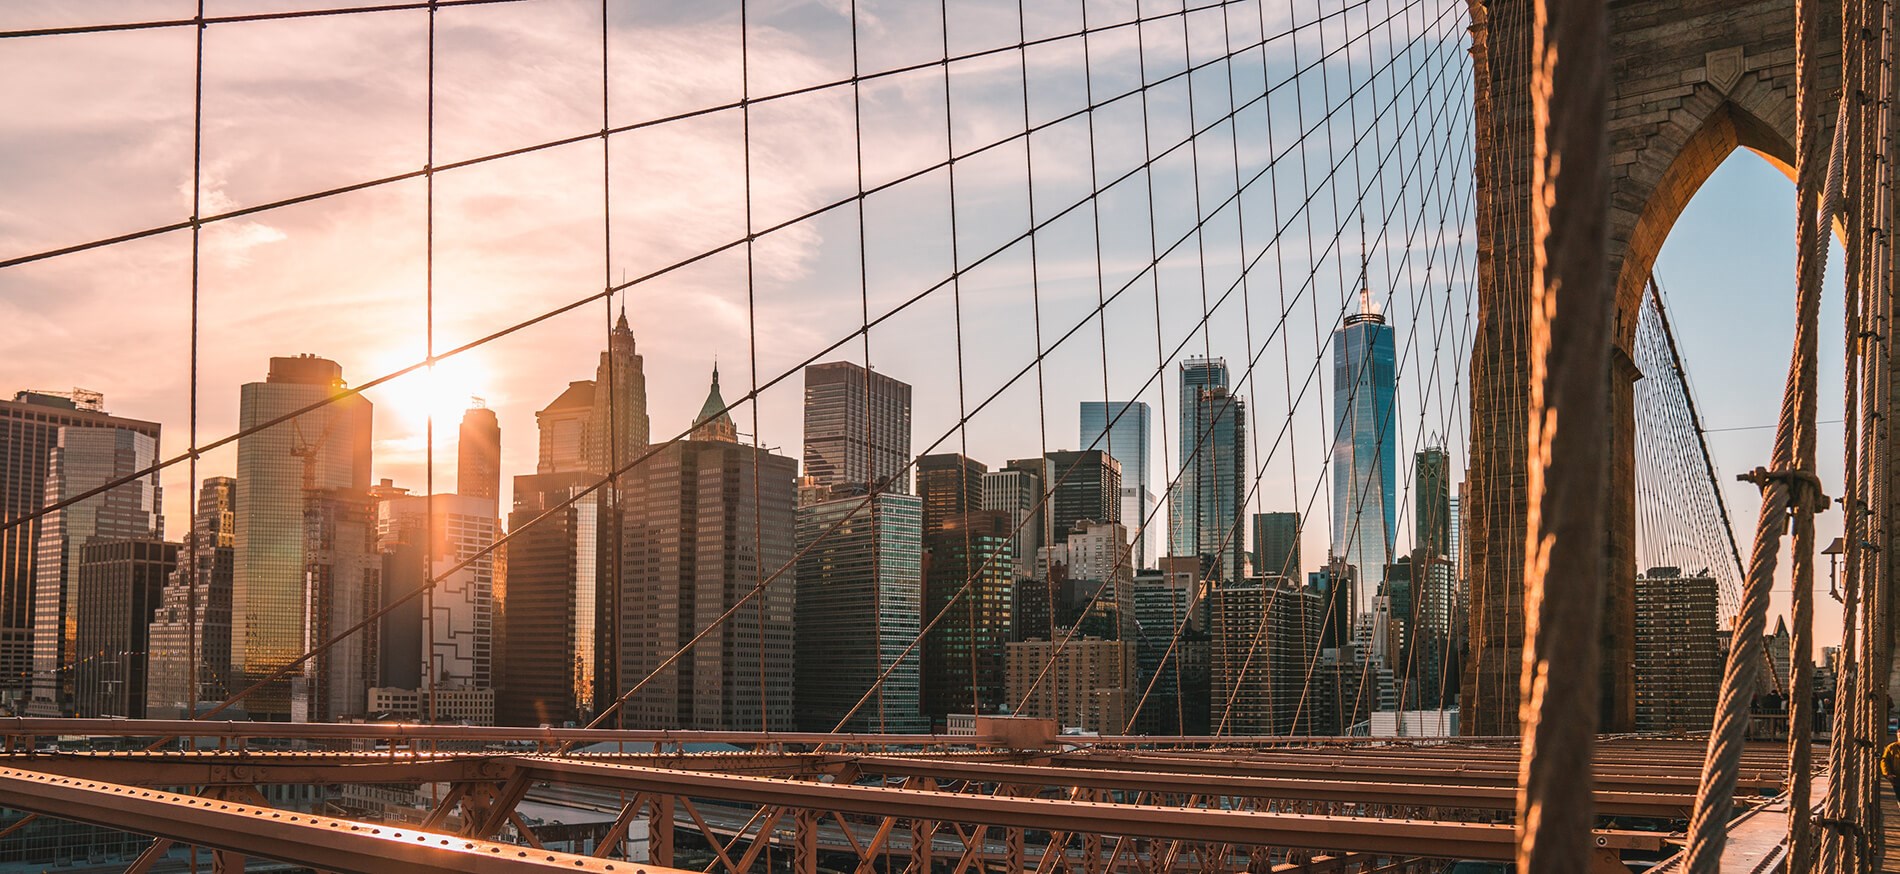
{"x":1789,"y":487}
{"x":673,"y":266}
{"x":1570,"y":334}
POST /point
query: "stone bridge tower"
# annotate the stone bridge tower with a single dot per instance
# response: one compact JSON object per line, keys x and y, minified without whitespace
{"x":1690,"y":82}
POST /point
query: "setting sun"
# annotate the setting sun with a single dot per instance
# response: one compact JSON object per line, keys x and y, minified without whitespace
{"x":444,"y":391}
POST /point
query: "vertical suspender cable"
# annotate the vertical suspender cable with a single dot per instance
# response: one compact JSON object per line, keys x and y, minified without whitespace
{"x":1568,"y":473}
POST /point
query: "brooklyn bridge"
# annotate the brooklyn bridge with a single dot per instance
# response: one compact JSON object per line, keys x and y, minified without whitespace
{"x":1539,"y":639}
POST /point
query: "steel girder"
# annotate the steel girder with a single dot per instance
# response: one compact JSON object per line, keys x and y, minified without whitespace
{"x":1360,"y":834}
{"x":319,"y":842}
{"x":1652,"y":804}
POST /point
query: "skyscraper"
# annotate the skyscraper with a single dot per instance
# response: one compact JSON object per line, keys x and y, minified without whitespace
{"x":1084,"y":485}
{"x":478,"y":455}
{"x":965,"y":660}
{"x":1018,"y":491}
{"x":117,"y":588}
{"x":857,"y":427}
{"x":554,"y":596}
{"x":859,"y":605}
{"x":1276,"y":545}
{"x":1365,"y":437}
{"x":705,"y":523}
{"x":563,"y":427}
{"x":195,"y":611}
{"x":320,"y":459}
{"x":342,"y":575}
{"x":83,"y":458}
{"x":1204,"y":515}
{"x":29,"y":429}
{"x":617,"y":426}
{"x":1431,"y":484}
{"x":1264,"y":638}
{"x":1678,"y":652}
{"x":1172,"y":638}
{"x":951,"y":485}
{"x":1121,"y":428}
{"x":463,"y":601}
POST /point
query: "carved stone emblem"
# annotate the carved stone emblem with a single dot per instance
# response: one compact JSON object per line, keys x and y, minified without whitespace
{"x":1724,"y":68}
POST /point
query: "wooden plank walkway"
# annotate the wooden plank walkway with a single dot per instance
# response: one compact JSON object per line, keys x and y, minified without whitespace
{"x":1890,"y":817}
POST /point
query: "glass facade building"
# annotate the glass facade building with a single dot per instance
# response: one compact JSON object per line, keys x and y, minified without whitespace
{"x":1276,"y":545}
{"x":29,"y":429}
{"x":327,"y":449}
{"x":970,"y":575}
{"x":859,"y":605}
{"x":857,"y":427}
{"x":1122,"y":429}
{"x":1204,"y":513}
{"x":83,"y":458}
{"x":1365,"y":439}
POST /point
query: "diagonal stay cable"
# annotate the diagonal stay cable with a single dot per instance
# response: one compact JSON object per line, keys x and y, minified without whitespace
{"x":544,"y":145}
{"x":580,"y":494}
{"x":662,"y":271}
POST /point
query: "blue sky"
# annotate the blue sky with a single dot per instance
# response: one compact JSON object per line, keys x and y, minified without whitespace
{"x":1728,"y":269}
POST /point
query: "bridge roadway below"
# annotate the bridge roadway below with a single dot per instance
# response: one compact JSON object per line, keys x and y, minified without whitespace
{"x":1362,"y":797}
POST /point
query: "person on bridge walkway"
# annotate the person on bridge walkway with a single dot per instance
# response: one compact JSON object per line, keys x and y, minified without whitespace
{"x":1890,"y":767}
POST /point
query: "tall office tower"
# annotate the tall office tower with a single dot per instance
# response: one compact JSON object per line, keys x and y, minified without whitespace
{"x":617,"y":426}
{"x":951,"y":486}
{"x":1018,"y":492}
{"x":1679,"y":658}
{"x":118,"y":587}
{"x":1204,"y":516}
{"x":283,"y":471}
{"x":1265,"y":637}
{"x":859,"y":605}
{"x":1121,"y":428}
{"x":192,"y":625}
{"x":1084,"y":485}
{"x":1337,"y":584}
{"x":1365,"y":440}
{"x":425,"y":535}
{"x":857,"y":427}
{"x":29,"y":429}
{"x":1171,"y":646}
{"x":478,"y":455}
{"x":83,"y":458}
{"x":706,"y":522}
{"x":1087,"y":579}
{"x":965,"y":663}
{"x":1086,"y":683}
{"x":1276,"y":545}
{"x":563,"y":429}
{"x":554,"y":596}
{"x":1433,"y":632}
{"x":1431,"y":486}
{"x":342,"y":587}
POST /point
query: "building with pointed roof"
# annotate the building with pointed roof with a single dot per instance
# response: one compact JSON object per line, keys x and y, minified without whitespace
{"x":713,"y":422}
{"x":618,"y":429}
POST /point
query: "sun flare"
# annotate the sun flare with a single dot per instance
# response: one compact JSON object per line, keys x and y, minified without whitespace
{"x":444,"y":391}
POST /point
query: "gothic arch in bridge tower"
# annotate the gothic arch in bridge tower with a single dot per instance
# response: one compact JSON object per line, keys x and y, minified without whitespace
{"x":1691,"y":81}
{"x":1660,"y":158}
